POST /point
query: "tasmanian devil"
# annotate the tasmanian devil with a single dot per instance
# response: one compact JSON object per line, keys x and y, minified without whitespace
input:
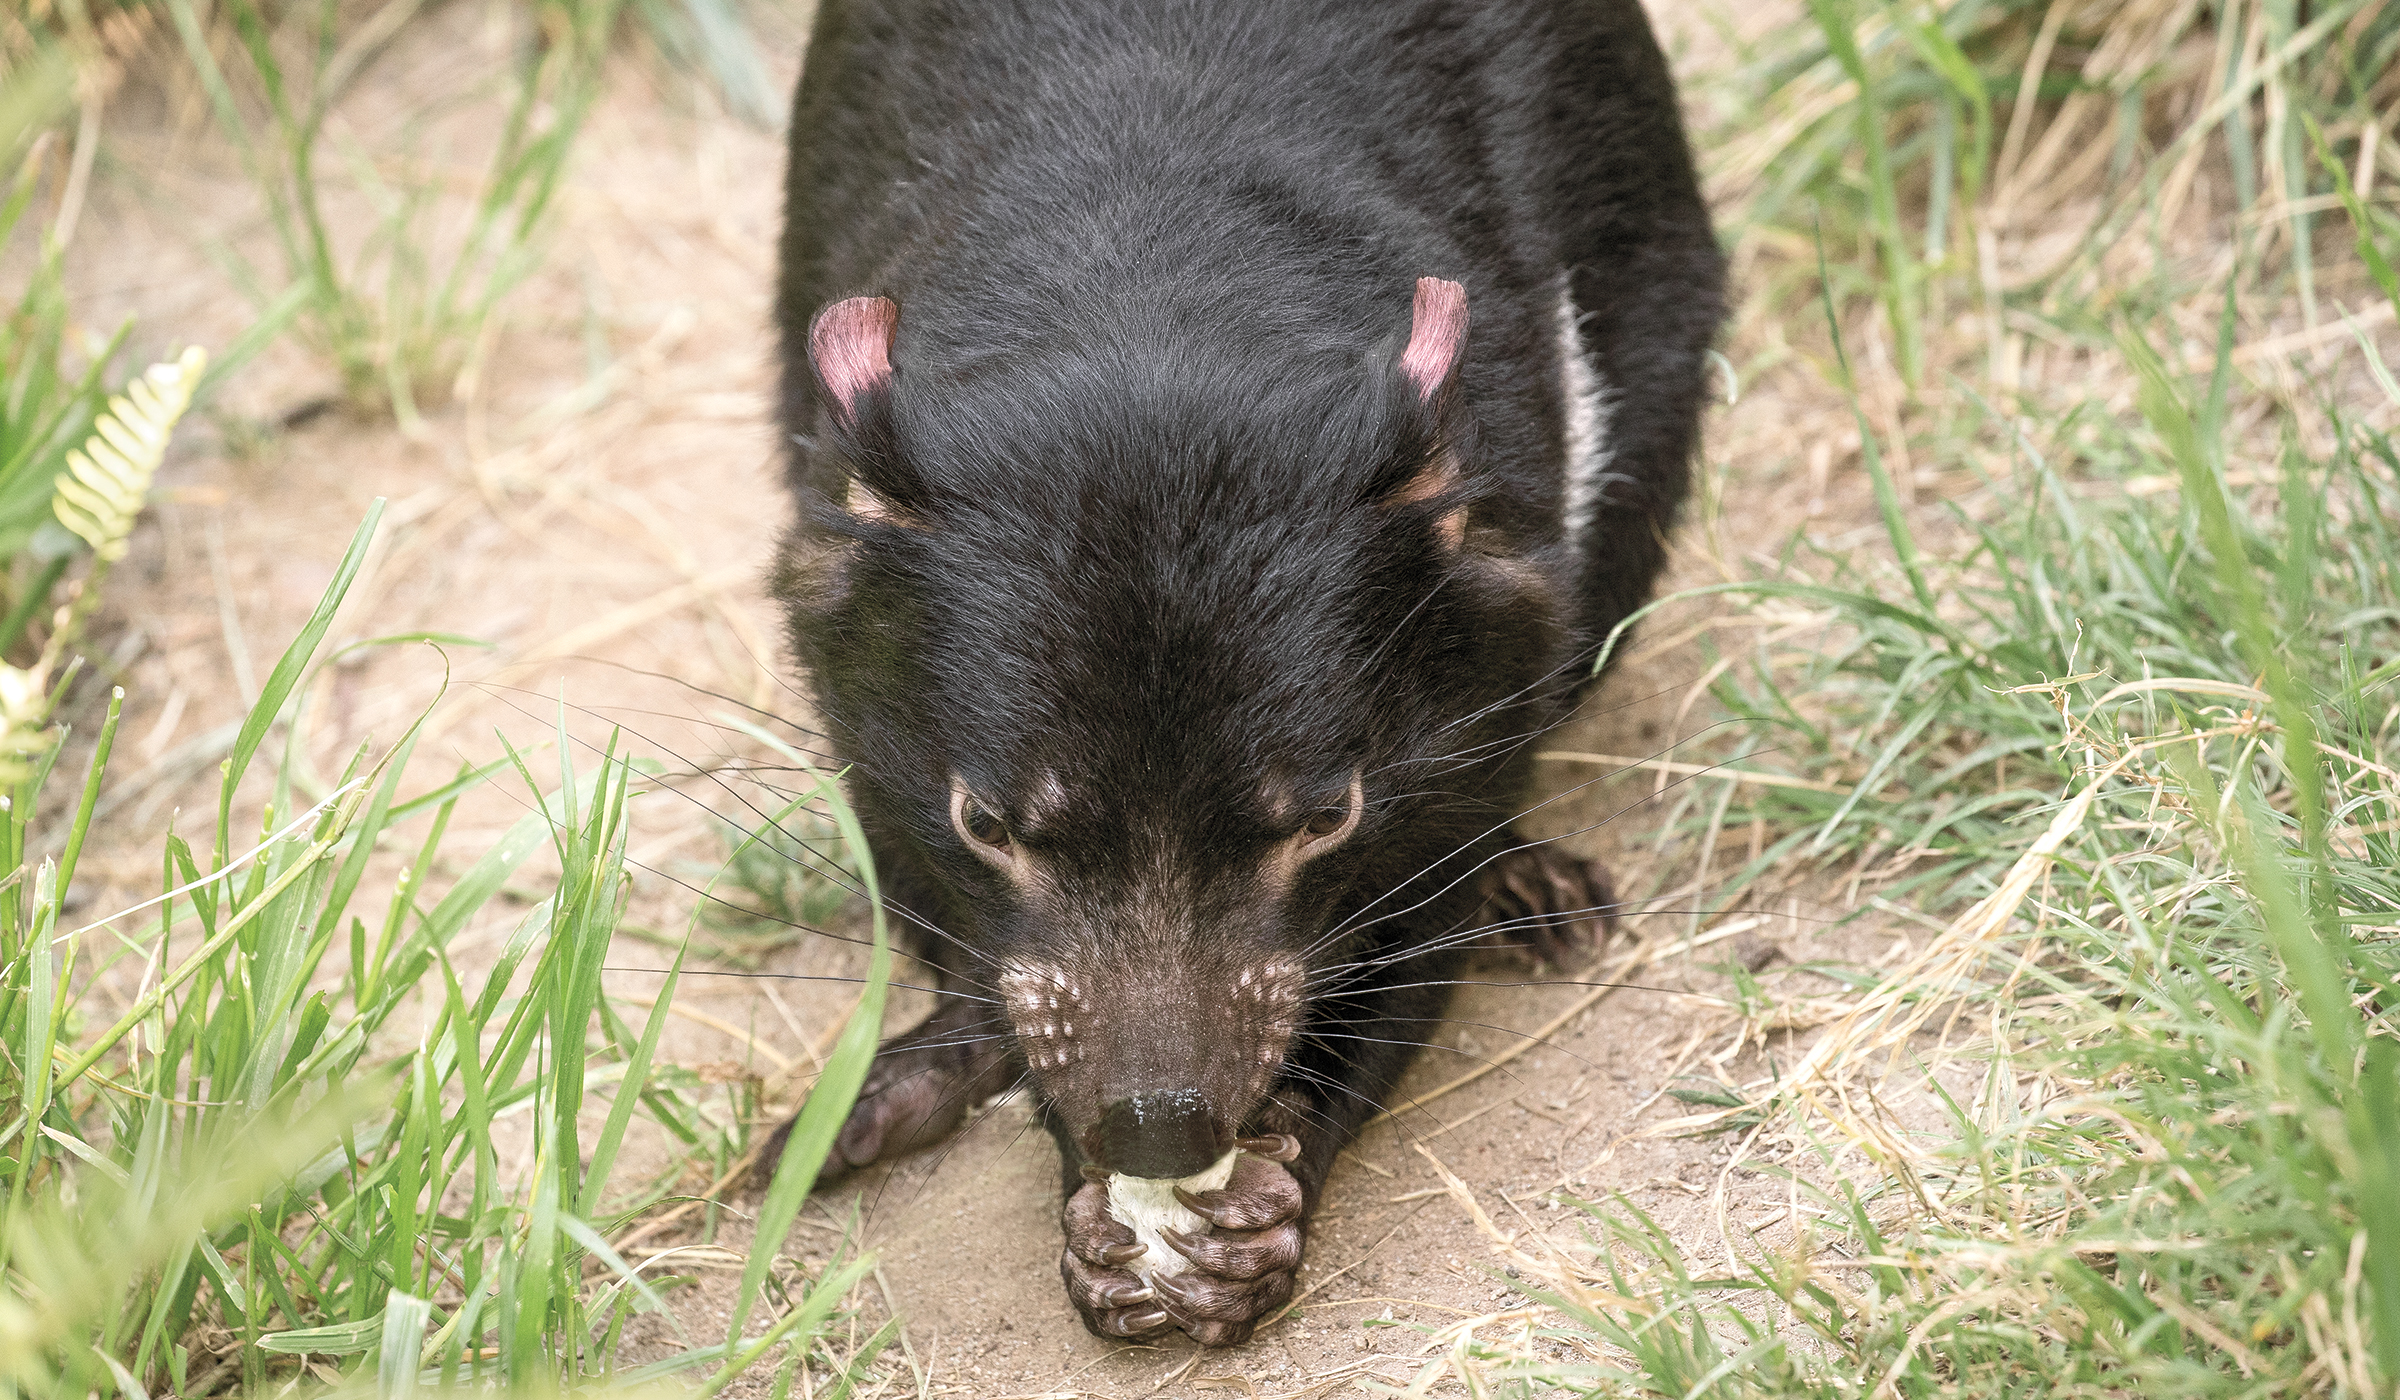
{"x":1224,"y":433}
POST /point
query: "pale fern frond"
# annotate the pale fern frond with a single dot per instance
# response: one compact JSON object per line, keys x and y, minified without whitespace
{"x":24,"y":721}
{"x":108,"y":479}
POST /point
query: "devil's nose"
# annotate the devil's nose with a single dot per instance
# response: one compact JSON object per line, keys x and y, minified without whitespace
{"x":1163,"y":1133}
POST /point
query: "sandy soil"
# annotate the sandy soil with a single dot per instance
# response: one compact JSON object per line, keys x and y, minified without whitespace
{"x":599,"y":506}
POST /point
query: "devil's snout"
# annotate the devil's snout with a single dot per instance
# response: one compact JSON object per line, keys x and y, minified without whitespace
{"x":1162,"y":1133}
{"x":1151,"y":1062}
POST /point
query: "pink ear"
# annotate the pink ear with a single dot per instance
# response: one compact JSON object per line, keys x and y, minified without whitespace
{"x":850,"y":343}
{"x":1437,"y":333}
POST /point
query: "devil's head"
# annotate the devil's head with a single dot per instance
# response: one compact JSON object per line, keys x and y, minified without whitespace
{"x":1165,"y":662}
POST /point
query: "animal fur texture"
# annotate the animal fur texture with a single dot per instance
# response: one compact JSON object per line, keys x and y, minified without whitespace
{"x":1224,"y":433}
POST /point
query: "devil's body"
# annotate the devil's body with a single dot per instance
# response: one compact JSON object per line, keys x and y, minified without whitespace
{"x":1144,"y":535}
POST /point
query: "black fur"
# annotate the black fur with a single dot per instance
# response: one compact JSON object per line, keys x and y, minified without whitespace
{"x":1154,"y":262}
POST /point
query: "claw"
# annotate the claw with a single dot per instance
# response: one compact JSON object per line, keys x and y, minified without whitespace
{"x":1560,"y":903}
{"x":1275,"y":1147}
{"x":1144,"y":1320}
{"x":1118,"y":1255}
{"x":1177,"y":1288}
{"x":1094,"y":1172}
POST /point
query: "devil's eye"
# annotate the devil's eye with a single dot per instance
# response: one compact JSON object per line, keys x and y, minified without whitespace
{"x":983,"y":825}
{"x":1331,"y":819}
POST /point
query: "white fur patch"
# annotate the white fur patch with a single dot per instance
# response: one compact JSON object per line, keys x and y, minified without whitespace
{"x":1587,"y":401}
{"x":1147,"y":1206}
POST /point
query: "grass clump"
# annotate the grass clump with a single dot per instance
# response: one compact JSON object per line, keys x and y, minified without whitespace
{"x":376,"y":262}
{"x":397,"y":316}
{"x":2128,"y":1120}
{"x":302,"y":1140}
{"x":1936,"y":722}
{"x":2109,"y":737}
{"x":2029,"y":161}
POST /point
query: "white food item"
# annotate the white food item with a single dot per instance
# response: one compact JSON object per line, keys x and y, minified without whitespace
{"x":1147,"y":1206}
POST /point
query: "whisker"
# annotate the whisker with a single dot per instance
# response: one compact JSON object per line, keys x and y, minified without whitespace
{"x":949,"y":1145}
{"x":833,"y":873}
{"x":1307,"y":1074}
{"x":601,"y":711}
{"x":1346,"y":927}
{"x":1573,"y":659}
{"x":746,"y":911}
{"x":802,"y":976}
{"x":1462,"y":936}
{"x":794,"y":691}
{"x":1472,"y":982}
{"x":1366,"y":667}
{"x":1427,"y":1044}
{"x":1544,"y":1041}
{"x":1413,"y":1104}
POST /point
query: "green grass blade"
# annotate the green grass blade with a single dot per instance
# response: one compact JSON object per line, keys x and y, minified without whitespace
{"x":2375,"y":1138}
{"x":268,"y":326}
{"x":287,"y":672}
{"x":863,"y":1358}
{"x":629,"y":1092}
{"x":2370,"y":249}
{"x":2164,"y":408}
{"x":829,"y":1099}
{"x":40,"y":1042}
{"x":803,"y":1320}
{"x":403,"y":1343}
{"x":1887,"y":499}
{"x":91,"y":795}
{"x":1900,"y":274}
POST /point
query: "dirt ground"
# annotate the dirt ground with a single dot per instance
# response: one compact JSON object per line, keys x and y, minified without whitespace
{"x":599,"y":507}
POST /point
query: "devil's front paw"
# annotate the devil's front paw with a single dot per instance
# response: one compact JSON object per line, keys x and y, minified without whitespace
{"x":1548,"y":902}
{"x":1244,"y":1269}
{"x":911,"y":1100}
{"x":1114,"y":1301}
{"x":1239,"y":1273}
{"x":916,"y":1093}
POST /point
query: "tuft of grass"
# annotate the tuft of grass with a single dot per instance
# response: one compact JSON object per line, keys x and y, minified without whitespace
{"x":2129,"y":1120}
{"x":2158,"y":1051}
{"x":399,"y":310}
{"x":712,"y":40}
{"x":776,"y":883}
{"x":396,"y":316}
{"x":2112,"y":734}
{"x":2034,"y":160}
{"x":301,"y":1140}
